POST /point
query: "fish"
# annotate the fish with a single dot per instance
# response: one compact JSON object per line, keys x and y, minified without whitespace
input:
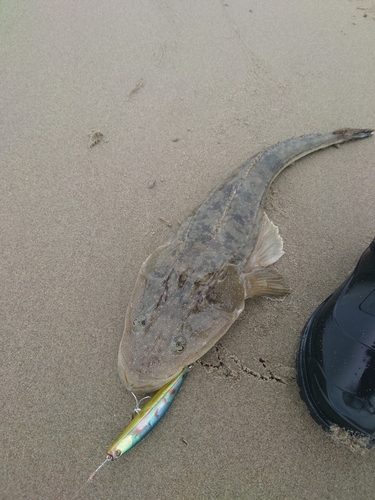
{"x":190,"y":290}
{"x":147,"y":417}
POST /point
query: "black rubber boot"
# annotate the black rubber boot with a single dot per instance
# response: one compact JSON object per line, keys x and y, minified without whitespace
{"x":336,"y":356}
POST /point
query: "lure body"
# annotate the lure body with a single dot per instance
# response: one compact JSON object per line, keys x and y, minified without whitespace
{"x":147,"y":418}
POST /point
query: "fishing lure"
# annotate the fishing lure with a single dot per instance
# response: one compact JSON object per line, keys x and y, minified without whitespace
{"x":145,"y":420}
{"x":147,"y":417}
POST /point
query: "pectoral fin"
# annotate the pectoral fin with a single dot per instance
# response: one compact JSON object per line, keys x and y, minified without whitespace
{"x":265,"y":282}
{"x":267,"y":250}
{"x":268,"y":247}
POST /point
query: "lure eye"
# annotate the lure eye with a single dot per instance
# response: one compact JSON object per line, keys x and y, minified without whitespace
{"x":118,"y":453}
{"x":178,"y":344}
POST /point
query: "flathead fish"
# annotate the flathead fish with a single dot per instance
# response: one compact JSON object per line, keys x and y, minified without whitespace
{"x":190,"y":290}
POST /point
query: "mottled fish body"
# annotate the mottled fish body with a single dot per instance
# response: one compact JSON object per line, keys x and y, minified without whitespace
{"x":190,"y":290}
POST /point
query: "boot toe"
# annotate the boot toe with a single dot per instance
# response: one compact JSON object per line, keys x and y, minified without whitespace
{"x":336,"y":355}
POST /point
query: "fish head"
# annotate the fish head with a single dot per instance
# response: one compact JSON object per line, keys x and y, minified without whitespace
{"x":173,"y":318}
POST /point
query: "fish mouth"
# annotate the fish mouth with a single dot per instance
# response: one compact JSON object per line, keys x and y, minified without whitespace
{"x":142,"y":386}
{"x":136,"y":380}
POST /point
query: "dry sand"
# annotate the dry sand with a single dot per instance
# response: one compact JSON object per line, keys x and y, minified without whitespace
{"x":175,"y":94}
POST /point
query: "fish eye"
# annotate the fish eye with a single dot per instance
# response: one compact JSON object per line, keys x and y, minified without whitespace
{"x":222,"y":275}
{"x":178,"y":344}
{"x":182,"y":279}
{"x":139,"y":323}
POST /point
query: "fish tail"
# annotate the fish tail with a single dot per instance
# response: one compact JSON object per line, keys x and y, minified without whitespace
{"x":278,"y":157}
{"x":348,"y":134}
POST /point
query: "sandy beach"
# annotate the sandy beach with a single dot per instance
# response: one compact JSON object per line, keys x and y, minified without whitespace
{"x":117,"y":119}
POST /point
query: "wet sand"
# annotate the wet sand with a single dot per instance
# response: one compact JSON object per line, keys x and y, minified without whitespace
{"x":118,"y":118}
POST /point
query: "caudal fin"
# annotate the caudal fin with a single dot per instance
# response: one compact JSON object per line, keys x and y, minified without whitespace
{"x":348,"y":134}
